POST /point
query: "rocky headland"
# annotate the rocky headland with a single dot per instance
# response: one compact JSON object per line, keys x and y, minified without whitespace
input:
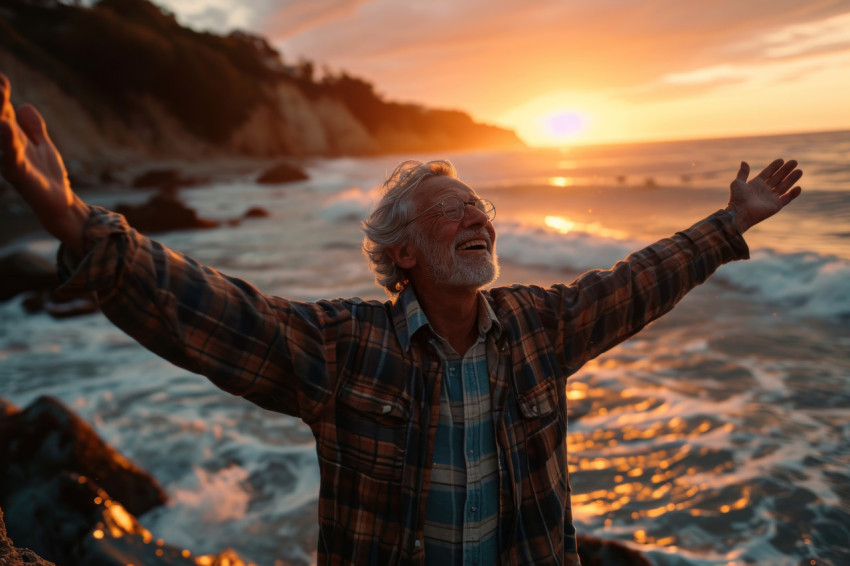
{"x":122,"y":83}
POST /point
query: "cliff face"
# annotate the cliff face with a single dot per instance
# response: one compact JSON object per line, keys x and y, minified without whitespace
{"x":122,"y":81}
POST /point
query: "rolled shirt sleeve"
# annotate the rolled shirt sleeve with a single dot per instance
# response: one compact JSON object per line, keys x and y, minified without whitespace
{"x":267,"y":349}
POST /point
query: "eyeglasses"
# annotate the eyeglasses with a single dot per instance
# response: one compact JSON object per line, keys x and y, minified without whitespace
{"x":454,"y":207}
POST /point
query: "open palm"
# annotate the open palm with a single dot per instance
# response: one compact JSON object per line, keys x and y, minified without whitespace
{"x":765,"y":194}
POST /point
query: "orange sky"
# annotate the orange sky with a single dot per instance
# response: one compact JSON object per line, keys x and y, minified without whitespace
{"x":573,"y":71}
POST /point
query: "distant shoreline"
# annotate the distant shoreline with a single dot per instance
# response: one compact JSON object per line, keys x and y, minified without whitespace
{"x":17,"y":222}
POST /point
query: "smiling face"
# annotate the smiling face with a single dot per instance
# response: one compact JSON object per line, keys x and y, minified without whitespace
{"x":453,"y":253}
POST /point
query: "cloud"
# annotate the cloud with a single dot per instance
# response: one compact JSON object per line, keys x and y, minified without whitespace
{"x":817,"y":37}
{"x":287,"y":19}
{"x":775,"y":56}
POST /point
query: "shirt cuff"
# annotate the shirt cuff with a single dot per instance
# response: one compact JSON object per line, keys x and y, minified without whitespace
{"x":725,"y":221}
{"x":96,"y":269}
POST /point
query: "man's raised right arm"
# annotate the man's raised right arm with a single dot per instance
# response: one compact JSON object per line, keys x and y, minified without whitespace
{"x":267,"y":349}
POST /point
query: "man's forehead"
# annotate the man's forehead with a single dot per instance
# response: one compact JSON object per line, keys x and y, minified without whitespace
{"x":434,"y":188}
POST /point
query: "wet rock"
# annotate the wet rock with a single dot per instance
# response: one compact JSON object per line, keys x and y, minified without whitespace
{"x":58,"y":486}
{"x":63,"y":307}
{"x":22,"y":271}
{"x":12,"y":555}
{"x":46,"y":439}
{"x":598,"y":552}
{"x":72,"y":521}
{"x":282,"y":173}
{"x":59,"y":307}
{"x":256,"y":212}
{"x":7,"y":409}
{"x":163,"y":212}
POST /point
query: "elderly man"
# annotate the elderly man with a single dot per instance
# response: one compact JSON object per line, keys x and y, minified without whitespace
{"x":439,"y":415}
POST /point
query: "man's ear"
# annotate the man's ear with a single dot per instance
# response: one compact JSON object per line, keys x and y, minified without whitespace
{"x":403,"y":255}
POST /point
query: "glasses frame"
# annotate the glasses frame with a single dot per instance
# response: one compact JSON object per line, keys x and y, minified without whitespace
{"x":482,"y":204}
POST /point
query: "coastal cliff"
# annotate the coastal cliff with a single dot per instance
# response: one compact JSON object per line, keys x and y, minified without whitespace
{"x":122,"y":82}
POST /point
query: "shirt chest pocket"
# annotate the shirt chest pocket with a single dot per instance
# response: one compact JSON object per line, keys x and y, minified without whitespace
{"x":371,"y":429}
{"x":543,"y":422}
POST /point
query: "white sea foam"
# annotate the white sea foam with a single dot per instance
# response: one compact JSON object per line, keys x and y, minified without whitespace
{"x":577,"y":250}
{"x":806,"y":283}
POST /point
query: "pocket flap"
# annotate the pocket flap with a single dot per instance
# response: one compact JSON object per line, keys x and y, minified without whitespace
{"x":538,"y":402}
{"x":374,"y":402}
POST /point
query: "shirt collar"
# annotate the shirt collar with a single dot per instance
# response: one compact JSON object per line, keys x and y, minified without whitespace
{"x":410,"y":318}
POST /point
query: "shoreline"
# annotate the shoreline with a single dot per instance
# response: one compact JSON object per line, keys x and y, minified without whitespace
{"x":18,"y":224}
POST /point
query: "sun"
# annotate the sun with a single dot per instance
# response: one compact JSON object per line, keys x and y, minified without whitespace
{"x":564,"y":126}
{"x":556,"y":119}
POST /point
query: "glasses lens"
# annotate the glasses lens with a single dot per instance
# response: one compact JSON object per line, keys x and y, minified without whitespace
{"x":453,"y":208}
{"x":487,"y":208}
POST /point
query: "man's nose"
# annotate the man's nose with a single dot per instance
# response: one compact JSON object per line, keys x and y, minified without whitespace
{"x":474,"y":216}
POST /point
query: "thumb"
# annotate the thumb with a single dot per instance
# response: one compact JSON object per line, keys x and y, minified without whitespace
{"x":31,"y":122}
{"x":743,"y":172}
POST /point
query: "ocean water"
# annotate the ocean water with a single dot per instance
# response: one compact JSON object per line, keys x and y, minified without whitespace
{"x":718,"y":435}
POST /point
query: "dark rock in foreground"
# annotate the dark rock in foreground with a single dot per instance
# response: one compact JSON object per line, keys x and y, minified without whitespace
{"x":70,"y":520}
{"x":72,"y":499}
{"x":11,"y":555}
{"x":282,"y":173}
{"x":47,"y":438}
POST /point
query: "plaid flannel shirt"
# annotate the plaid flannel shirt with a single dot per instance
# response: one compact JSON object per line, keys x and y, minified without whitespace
{"x":370,"y":391}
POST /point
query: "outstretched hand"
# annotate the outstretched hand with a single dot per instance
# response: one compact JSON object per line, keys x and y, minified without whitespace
{"x":765,"y":194}
{"x":33,"y":165}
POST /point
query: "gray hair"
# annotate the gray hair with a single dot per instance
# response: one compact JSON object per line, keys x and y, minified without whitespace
{"x":386,"y":226}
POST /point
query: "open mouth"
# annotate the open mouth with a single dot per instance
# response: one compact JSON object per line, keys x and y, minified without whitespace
{"x":473,"y":245}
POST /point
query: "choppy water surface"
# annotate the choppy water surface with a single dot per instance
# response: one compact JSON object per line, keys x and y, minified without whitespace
{"x":719,"y":435}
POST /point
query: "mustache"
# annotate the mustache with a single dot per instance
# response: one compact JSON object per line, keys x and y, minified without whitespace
{"x":469,"y":234}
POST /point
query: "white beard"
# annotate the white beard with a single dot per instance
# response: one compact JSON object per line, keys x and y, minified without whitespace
{"x":457,"y":270}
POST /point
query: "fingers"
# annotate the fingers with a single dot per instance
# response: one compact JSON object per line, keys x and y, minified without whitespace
{"x":5,"y":91}
{"x":7,"y":114}
{"x":789,"y":196}
{"x":787,"y":181}
{"x":781,"y":173}
{"x":31,"y":122}
{"x":783,"y":179}
{"x":9,"y":150}
{"x":770,"y":170}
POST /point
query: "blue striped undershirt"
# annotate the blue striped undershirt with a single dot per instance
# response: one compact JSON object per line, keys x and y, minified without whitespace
{"x":462,"y":510}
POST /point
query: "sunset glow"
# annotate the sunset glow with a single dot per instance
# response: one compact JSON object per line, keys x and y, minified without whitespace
{"x":565,"y":226}
{"x":561,"y":73}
